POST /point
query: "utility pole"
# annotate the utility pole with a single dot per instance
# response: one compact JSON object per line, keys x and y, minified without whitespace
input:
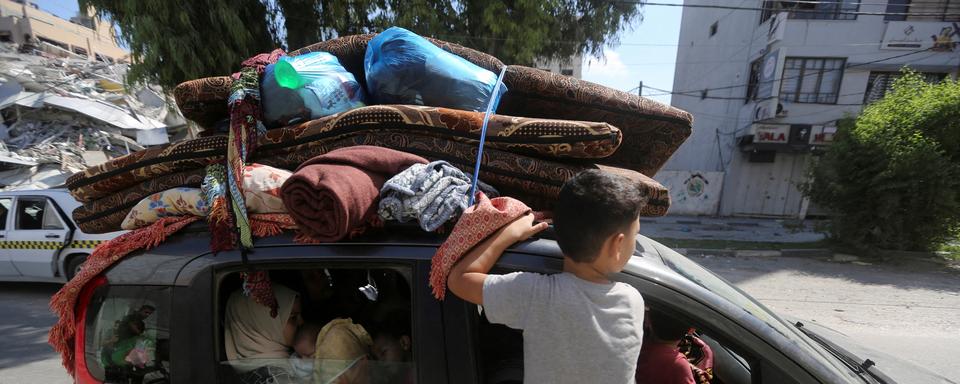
{"x":640,"y":89}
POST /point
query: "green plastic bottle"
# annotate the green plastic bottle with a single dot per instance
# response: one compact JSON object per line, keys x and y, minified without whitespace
{"x":287,"y":75}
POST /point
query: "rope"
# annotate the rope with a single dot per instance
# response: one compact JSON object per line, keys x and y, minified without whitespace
{"x":494,"y":100}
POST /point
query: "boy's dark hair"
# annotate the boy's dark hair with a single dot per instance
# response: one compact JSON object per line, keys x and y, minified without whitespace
{"x":665,"y":327}
{"x":592,"y":206}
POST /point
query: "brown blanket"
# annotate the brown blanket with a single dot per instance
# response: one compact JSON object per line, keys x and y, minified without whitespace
{"x":334,"y":194}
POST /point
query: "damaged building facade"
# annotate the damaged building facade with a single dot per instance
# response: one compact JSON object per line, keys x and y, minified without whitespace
{"x":63,"y":102}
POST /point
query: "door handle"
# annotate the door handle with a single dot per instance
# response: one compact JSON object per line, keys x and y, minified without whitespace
{"x":53,"y":236}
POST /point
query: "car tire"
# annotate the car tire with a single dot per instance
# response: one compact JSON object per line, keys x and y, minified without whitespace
{"x":74,"y":264}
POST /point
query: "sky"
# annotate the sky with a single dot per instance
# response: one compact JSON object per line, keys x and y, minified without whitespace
{"x":646,"y":53}
{"x":647,"y":50}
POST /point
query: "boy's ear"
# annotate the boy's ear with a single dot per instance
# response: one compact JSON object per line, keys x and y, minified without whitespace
{"x":614,"y":243}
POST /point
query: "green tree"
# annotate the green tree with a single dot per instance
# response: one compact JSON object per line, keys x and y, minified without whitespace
{"x":176,"y":40}
{"x":892,"y":176}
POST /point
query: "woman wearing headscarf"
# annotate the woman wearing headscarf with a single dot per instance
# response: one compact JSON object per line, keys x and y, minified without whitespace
{"x":257,"y":344}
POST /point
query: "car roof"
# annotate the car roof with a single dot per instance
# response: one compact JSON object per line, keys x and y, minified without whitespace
{"x":34,"y":191}
{"x":165,"y":264}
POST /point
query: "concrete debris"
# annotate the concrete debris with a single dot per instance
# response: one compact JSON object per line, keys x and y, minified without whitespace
{"x":60,"y":113}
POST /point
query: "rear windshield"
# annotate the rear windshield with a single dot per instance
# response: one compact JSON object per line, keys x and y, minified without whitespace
{"x":127,"y":334}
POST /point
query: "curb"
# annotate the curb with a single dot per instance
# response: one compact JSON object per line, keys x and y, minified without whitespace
{"x":811,"y":253}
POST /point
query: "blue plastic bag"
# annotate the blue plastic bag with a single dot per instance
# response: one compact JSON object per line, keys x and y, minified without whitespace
{"x":404,"y":68}
{"x":307,"y":87}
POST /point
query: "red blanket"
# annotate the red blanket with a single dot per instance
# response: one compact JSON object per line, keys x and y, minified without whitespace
{"x":335,"y":194}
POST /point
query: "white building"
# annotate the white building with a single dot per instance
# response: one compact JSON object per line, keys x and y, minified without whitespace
{"x":767,"y":86}
{"x":572,"y":66}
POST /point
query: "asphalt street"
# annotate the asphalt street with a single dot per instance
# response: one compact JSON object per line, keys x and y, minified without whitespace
{"x":910,"y":310}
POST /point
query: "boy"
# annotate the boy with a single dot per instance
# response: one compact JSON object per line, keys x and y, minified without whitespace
{"x":578,"y":326}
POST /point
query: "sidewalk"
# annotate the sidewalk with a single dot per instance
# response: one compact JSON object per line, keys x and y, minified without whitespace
{"x":738,"y":229}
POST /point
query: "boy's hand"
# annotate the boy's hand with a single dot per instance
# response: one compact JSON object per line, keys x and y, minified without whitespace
{"x":467,"y":276}
{"x":519,"y":230}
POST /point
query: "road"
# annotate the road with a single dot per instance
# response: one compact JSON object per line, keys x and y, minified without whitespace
{"x":910,"y":310}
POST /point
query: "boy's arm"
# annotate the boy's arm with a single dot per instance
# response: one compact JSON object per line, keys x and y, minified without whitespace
{"x":467,"y":276}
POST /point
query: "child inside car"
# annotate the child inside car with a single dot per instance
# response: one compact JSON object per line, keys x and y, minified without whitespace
{"x":579,"y":327}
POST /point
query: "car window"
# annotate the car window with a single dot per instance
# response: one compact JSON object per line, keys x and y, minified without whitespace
{"x":127,"y":334}
{"x":5,"y":204}
{"x":333,"y":324}
{"x":30,"y":212}
{"x":51,"y":219}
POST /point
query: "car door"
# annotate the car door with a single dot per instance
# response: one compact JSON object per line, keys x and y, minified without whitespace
{"x":6,"y":262}
{"x":38,"y":234}
{"x":497,"y":351}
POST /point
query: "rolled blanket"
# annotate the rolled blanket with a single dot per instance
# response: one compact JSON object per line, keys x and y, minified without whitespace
{"x":432,"y":194}
{"x":333,"y":194}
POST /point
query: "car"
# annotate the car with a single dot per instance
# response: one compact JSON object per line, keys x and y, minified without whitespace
{"x":40,"y":241}
{"x":185,"y":288}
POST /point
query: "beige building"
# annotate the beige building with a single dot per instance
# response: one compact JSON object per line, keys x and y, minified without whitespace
{"x":22,"y":21}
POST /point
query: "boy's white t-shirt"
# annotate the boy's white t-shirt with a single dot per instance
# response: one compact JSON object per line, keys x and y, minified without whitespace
{"x":574,"y":331}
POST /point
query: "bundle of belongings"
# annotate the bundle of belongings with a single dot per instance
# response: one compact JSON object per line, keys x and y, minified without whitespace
{"x":336,"y":138}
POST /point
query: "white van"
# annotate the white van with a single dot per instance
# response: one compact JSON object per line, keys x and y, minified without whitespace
{"x":39,"y":241}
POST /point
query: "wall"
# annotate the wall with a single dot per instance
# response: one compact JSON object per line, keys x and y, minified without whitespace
{"x":692,"y":193}
{"x":721,"y":63}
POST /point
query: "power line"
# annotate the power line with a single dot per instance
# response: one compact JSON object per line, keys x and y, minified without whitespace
{"x":697,"y":92}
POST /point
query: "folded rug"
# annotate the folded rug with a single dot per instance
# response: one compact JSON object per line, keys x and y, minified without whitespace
{"x":332,"y":195}
{"x":120,"y":173}
{"x":432,"y":194}
{"x":477,"y":223}
{"x":546,"y":138}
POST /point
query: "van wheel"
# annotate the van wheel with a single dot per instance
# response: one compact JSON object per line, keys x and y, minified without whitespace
{"x":74,"y":265}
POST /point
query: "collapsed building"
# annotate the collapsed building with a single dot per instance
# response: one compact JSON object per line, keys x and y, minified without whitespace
{"x":61,"y":112}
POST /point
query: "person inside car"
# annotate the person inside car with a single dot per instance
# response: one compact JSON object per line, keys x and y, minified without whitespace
{"x":257,"y":344}
{"x":392,"y":346}
{"x":660,"y":358}
{"x":304,"y":347}
{"x":578,"y":326}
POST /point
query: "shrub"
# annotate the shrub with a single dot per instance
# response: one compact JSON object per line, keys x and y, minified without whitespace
{"x":892,"y":175}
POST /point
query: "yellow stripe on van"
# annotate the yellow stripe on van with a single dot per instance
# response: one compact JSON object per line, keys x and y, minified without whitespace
{"x":39,"y":244}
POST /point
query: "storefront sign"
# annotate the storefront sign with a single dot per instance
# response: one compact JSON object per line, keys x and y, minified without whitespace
{"x":771,"y":133}
{"x":823,"y":134}
{"x":913,"y":35}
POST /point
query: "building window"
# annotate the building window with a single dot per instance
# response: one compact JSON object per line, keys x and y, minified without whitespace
{"x":753,"y":83}
{"x":812,"y":10}
{"x":80,"y":51}
{"x":713,"y":28}
{"x":53,"y":42}
{"x":882,"y":82}
{"x":897,"y":6}
{"x":811,"y":80}
{"x":106,"y":59}
{"x":566,"y":72}
{"x":924,"y":10}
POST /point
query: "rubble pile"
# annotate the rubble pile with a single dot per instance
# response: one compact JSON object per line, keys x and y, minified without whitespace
{"x":61,"y":113}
